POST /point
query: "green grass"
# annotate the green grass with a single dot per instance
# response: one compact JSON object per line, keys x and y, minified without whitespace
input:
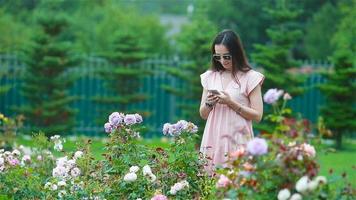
{"x":340,"y":161}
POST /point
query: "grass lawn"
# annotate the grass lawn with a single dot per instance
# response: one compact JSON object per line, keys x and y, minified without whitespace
{"x":339,"y":161}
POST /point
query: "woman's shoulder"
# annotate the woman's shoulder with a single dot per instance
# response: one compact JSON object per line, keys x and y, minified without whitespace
{"x":252,"y":73}
{"x":205,"y":78}
{"x":207,"y":73}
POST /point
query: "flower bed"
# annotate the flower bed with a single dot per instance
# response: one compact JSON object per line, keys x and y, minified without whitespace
{"x":281,"y":167}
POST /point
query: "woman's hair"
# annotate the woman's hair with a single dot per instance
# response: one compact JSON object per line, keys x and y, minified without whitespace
{"x":232,"y":42}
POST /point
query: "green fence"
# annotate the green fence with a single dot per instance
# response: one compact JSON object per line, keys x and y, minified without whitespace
{"x":162,"y":105}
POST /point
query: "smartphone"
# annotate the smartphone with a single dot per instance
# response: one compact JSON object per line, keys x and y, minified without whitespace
{"x":216,"y":92}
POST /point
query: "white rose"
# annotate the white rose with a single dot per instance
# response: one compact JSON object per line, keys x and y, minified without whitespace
{"x":321,"y":180}
{"x":283,"y":194}
{"x":312,"y":185}
{"x":302,"y":184}
{"x":296,"y":196}
{"x":62,"y":193}
{"x":146,"y":170}
{"x":78,"y":154}
{"x":75,"y":172}
{"x":185,"y":183}
{"x":153,"y":177}
{"x":134,"y":169}
{"x":48,"y":185}
{"x":61,"y":183}
{"x":178,"y":186}
{"x":130,"y":177}
{"x":173,"y":191}
{"x":54,"y":187}
{"x":16,"y":152}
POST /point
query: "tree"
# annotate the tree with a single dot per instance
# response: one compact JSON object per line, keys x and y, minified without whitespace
{"x":318,"y":32}
{"x":194,"y":43}
{"x":47,"y":79}
{"x":339,"y":111}
{"x":123,"y":77}
{"x":244,"y":16}
{"x":13,"y":33}
{"x":97,"y":22}
{"x":276,"y":56}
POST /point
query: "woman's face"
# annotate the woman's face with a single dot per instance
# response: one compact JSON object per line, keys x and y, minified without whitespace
{"x":223,"y":56}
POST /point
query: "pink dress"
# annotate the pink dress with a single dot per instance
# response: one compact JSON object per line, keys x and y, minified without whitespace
{"x":226,"y":130}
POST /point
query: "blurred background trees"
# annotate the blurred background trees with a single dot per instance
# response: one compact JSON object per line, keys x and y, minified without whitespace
{"x":46,"y":80}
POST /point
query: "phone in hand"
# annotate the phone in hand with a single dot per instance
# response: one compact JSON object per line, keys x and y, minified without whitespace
{"x":215,"y":92}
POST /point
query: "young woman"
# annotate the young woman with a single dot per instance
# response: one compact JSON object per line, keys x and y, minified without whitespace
{"x":231,"y":99}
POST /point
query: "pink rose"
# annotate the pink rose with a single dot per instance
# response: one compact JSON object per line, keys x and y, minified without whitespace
{"x":159,"y":197}
{"x":223,"y":181}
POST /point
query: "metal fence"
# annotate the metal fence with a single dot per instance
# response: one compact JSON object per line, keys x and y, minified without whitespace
{"x":162,"y":105}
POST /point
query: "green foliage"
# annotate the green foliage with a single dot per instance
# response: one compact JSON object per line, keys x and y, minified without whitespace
{"x":9,"y":129}
{"x":289,"y":160}
{"x":47,"y":79}
{"x":199,"y":34}
{"x":13,"y":33}
{"x":250,"y":29}
{"x":339,"y":111}
{"x":276,"y":57}
{"x":124,"y":76}
{"x":318,"y":32}
{"x":344,"y":38}
{"x":77,"y":175}
{"x":98,"y":24}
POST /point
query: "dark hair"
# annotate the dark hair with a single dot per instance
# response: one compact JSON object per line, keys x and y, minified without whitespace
{"x":232,"y":42}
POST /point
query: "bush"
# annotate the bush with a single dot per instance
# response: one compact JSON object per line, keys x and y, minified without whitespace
{"x":129,"y":169}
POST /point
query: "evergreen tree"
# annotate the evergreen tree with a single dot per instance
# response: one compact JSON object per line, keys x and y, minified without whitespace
{"x":46,"y":79}
{"x":318,"y":32}
{"x":123,"y":77}
{"x":276,"y":57}
{"x":194,"y":43}
{"x":339,"y":111}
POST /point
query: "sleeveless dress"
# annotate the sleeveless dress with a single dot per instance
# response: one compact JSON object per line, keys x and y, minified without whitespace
{"x":226,"y":130}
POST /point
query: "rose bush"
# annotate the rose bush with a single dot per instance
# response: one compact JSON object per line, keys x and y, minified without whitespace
{"x":268,"y":167}
{"x":281,"y":165}
{"x":129,"y":169}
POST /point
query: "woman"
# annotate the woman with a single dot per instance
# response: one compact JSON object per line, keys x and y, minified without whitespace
{"x":231,"y":99}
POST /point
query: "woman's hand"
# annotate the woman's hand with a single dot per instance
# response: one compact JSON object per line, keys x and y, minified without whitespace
{"x":223,"y":98}
{"x":211,"y":99}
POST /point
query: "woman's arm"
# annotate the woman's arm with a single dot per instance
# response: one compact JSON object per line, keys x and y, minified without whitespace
{"x":204,"y":109}
{"x":254,"y":112}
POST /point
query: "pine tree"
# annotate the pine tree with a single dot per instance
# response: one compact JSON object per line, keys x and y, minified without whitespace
{"x":124,"y":76}
{"x":339,"y":111}
{"x":276,"y":57}
{"x":46,"y":79}
{"x":195,"y":42}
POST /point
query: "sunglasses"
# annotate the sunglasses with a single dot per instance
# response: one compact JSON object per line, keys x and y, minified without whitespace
{"x":219,"y":57}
